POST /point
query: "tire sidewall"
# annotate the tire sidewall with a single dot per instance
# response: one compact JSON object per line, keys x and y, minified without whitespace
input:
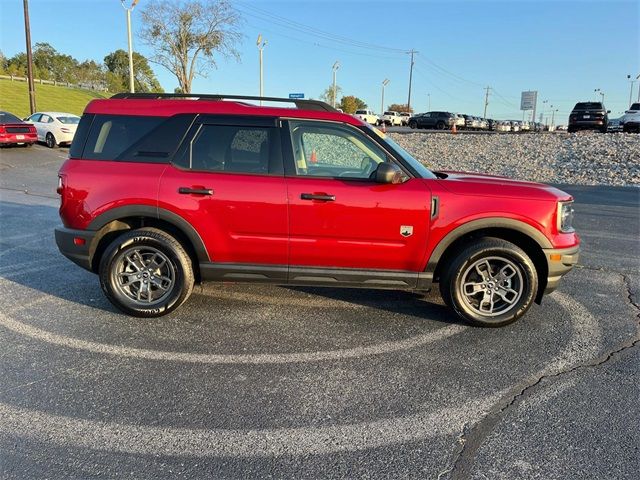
{"x":50,"y":140}
{"x":108,"y":262}
{"x":529,"y":277}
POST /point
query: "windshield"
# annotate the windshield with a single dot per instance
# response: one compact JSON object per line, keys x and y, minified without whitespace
{"x":6,"y":117}
{"x":423,"y":171}
{"x":588,"y":106}
{"x":69,"y":120}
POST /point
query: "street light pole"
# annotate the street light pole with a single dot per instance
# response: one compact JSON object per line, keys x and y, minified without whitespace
{"x":544,"y":104}
{"x":429,"y":97}
{"x":335,"y":68}
{"x":553,"y":116}
{"x":638,"y":78}
{"x":129,"y":10}
{"x":631,"y":82}
{"x":385,"y":82}
{"x":27,"y":31}
{"x":261,"y":46}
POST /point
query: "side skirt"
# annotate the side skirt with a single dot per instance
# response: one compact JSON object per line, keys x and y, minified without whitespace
{"x":310,"y":276}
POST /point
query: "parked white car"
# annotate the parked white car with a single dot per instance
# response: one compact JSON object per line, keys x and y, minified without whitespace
{"x":460,"y":121}
{"x":392,"y":118}
{"x":630,"y":121}
{"x":503,"y":127}
{"x":54,"y":128}
{"x":367,"y":116}
{"x":405,"y":118}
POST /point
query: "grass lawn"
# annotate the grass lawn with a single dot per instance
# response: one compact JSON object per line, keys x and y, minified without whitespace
{"x":14,"y":98}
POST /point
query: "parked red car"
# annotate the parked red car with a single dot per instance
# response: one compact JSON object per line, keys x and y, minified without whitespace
{"x":164,"y":190}
{"x":14,"y":131}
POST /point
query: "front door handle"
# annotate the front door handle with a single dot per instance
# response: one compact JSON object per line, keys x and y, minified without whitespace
{"x":323,"y":197}
{"x":195,"y":191}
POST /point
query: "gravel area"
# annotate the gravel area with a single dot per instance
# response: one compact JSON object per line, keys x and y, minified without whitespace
{"x":578,"y":158}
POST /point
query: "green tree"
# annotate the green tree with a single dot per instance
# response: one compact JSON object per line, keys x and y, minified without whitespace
{"x":329,"y":95}
{"x":51,"y":65}
{"x":91,"y":75}
{"x":17,"y":65}
{"x":399,"y":107}
{"x":351,"y":103}
{"x":186,"y":36}
{"x":117,"y":77}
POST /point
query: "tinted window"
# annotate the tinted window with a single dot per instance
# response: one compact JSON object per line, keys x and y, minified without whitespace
{"x":6,"y":117}
{"x":69,"y":120}
{"x":588,"y":106}
{"x":111,"y":135}
{"x":361,"y":112}
{"x":332,"y":151}
{"x":635,"y":106}
{"x":235,"y":149}
{"x":35,"y":117}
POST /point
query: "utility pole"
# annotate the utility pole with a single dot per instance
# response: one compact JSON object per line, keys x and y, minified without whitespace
{"x":429,"y":97}
{"x":335,"y":68}
{"x":27,"y":31}
{"x":385,"y":82}
{"x":553,"y":116}
{"x":486,"y":100}
{"x":412,"y":52}
{"x":261,"y":46}
{"x":638,"y":78}
{"x":129,"y":10}
{"x":544,"y":103}
{"x":631,"y":81}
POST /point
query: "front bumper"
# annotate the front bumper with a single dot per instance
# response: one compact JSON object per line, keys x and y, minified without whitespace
{"x":560,"y":261}
{"x":70,"y":244}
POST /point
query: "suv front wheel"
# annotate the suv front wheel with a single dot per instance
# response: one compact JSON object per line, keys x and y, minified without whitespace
{"x":490,"y":283}
{"x":146,"y":273}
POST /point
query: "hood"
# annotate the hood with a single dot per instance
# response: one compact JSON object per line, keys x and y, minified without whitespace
{"x":479,"y":184}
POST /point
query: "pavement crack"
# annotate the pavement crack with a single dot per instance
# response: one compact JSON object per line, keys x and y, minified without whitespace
{"x":472,"y":437}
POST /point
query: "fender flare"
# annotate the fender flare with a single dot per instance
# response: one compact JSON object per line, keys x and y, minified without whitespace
{"x":158,"y":213}
{"x":480,"y":224}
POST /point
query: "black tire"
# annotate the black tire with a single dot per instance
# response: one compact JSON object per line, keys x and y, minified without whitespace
{"x":413,"y":124}
{"x":51,"y":140}
{"x":570,"y":129}
{"x":440,"y":125}
{"x":524,"y":282}
{"x":176,"y":266}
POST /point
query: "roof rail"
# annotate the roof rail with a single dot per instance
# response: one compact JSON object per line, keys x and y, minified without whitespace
{"x":299,"y":103}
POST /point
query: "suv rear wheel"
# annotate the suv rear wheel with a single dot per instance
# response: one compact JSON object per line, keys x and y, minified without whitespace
{"x":413,"y":124}
{"x":146,"y":273}
{"x":490,"y":283}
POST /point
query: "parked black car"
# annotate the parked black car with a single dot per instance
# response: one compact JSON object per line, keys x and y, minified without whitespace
{"x":589,"y":116}
{"x":438,"y":120}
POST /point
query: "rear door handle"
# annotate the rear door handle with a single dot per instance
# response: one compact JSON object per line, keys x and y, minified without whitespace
{"x":323,"y":197}
{"x":195,"y":191}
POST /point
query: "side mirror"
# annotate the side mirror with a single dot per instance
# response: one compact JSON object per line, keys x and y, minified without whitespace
{"x":388,"y":173}
{"x":608,"y":111}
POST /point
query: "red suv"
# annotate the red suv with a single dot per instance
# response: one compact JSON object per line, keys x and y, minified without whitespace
{"x":164,"y":190}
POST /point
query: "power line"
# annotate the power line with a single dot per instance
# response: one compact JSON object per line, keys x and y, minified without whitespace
{"x":256,"y":12}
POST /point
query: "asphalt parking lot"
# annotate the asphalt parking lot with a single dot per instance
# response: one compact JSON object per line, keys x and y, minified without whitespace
{"x":250,"y":381}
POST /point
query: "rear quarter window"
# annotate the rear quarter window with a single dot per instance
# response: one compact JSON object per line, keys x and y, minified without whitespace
{"x":133,"y":138}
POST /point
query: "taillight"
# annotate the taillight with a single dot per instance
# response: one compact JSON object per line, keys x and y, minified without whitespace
{"x":2,"y":129}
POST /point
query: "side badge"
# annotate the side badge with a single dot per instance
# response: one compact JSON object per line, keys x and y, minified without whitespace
{"x":406,"y":230}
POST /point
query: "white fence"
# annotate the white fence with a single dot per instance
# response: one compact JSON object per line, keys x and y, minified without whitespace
{"x":13,"y":78}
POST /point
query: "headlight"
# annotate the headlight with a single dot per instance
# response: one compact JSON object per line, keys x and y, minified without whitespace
{"x":565,"y":217}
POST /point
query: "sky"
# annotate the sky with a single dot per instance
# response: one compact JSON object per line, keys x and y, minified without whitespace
{"x":562,"y":49}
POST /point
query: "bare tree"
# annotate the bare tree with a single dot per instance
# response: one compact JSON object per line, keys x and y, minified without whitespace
{"x":185,"y":35}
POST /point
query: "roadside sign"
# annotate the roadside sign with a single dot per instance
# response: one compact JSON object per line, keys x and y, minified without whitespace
{"x":528,"y":100}
{"x":296,"y":95}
